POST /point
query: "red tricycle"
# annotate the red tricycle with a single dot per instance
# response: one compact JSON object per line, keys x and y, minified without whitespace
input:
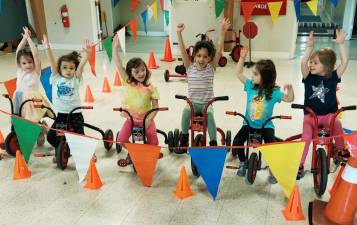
{"x":323,"y":149}
{"x":235,"y":53}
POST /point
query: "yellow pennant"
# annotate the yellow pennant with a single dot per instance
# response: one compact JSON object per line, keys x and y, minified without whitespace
{"x":154,"y":10}
{"x":313,"y":6}
{"x":274,"y":8}
{"x":283,"y":161}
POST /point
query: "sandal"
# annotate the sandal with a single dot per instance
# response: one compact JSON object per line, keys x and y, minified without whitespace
{"x":301,"y":172}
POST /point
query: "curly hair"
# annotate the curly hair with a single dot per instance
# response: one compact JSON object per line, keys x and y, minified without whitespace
{"x":24,"y":53}
{"x":204,"y":44}
{"x":327,"y":58}
{"x":71,"y":57}
{"x":135,"y":63}
{"x":267,"y":71}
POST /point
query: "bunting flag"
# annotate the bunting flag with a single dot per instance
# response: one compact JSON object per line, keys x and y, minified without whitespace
{"x":297,"y":9}
{"x":108,"y":47}
{"x":133,"y":27}
{"x":154,"y":10}
{"x":27,"y":134}
{"x":313,"y":4}
{"x":133,"y":5}
{"x":10,"y":86}
{"x":274,"y":8}
{"x":82,"y":150}
{"x":334,"y":2}
{"x":91,"y":59}
{"x":247,"y":8}
{"x":219,"y":6}
{"x":162,"y":5}
{"x":115,"y":2}
{"x":144,"y":159}
{"x":143,"y":17}
{"x":121,"y":36}
{"x":283,"y":161}
{"x":45,"y":81}
{"x":209,"y":162}
{"x":167,"y":17}
{"x":0,"y":7}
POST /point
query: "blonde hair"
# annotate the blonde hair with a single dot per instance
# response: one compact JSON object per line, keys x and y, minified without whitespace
{"x":327,"y":58}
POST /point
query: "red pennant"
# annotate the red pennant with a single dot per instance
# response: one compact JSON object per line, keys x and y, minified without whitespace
{"x":133,"y":5}
{"x":133,"y":26}
{"x":91,"y":59}
{"x":162,"y":5}
{"x":144,"y":158}
{"x":247,"y":8}
{"x":10,"y":86}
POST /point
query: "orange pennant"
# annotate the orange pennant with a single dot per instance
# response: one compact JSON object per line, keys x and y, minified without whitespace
{"x":91,"y":59}
{"x":144,"y":158}
{"x":247,"y":8}
{"x":10,"y":86}
{"x":133,"y":26}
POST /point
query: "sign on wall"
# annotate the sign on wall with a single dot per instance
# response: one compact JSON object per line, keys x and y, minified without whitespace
{"x":261,"y":7}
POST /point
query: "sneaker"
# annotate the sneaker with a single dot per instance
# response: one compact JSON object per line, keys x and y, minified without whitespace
{"x":213,"y":143}
{"x":183,"y":143}
{"x":42,"y":136}
{"x":241,"y":169}
{"x":271,"y":178}
{"x":301,"y":172}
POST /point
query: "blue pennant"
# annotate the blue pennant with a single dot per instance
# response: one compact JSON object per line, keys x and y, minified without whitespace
{"x":0,"y":7}
{"x":144,"y":17}
{"x":45,"y":80}
{"x":334,"y":2}
{"x":297,"y":9}
{"x":209,"y":162}
{"x":347,"y":131}
{"x":115,"y":2}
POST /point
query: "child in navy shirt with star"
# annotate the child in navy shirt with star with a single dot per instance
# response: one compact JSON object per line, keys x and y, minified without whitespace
{"x":320,"y":78}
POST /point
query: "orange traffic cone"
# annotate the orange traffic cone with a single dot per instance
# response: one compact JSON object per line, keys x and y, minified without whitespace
{"x":293,"y":211}
{"x":2,"y":141}
{"x":93,"y":180}
{"x":337,"y":181}
{"x":168,"y":54}
{"x":183,"y":189}
{"x":343,"y":203}
{"x":106,"y":86}
{"x":89,"y":97}
{"x":152,"y":61}
{"x":117,"y":81}
{"x":21,"y":170}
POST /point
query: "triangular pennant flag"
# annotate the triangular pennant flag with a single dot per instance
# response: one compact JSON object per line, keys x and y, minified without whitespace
{"x":0,"y":7}
{"x":143,"y":17}
{"x":27,"y":134}
{"x":347,"y":131}
{"x":209,"y":162}
{"x":144,"y":159}
{"x":154,"y":10}
{"x":108,"y":47}
{"x":133,"y":5}
{"x":150,"y":13}
{"x":297,"y":9}
{"x":219,"y":6}
{"x":133,"y":27}
{"x":334,"y":2}
{"x":45,"y":81}
{"x":274,"y":8}
{"x":162,"y":5}
{"x":167,"y":17}
{"x":121,"y":36}
{"x":91,"y":59}
{"x":82,"y":150}
{"x":247,"y":8}
{"x":115,"y":2}
{"x":283,"y":161}
{"x":313,"y":6}
{"x":10,"y":86}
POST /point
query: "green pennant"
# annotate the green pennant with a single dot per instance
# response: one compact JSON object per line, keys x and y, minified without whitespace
{"x":108,"y":48}
{"x":219,"y":4}
{"x":27,"y":134}
{"x":166,"y":17}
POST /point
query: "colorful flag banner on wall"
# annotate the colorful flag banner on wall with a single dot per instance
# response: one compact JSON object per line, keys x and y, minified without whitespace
{"x":133,"y":5}
{"x":162,"y":5}
{"x":143,"y":17}
{"x":274,"y":8}
{"x":247,"y":8}
{"x":297,"y":9}
{"x":167,"y":17}
{"x":108,"y":48}
{"x":121,"y":36}
{"x":313,"y":5}
{"x":219,"y":6}
{"x":133,"y":27}
{"x":154,"y":10}
{"x":91,"y":59}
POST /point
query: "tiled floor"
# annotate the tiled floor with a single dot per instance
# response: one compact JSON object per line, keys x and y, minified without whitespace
{"x":53,"y":196}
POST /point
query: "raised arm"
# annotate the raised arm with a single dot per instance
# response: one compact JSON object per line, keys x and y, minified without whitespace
{"x":305,"y":59}
{"x":86,"y":50}
{"x":49,"y":55}
{"x":117,"y":58}
{"x":23,"y":42}
{"x":288,"y":93}
{"x":34,"y":50}
{"x":340,"y":40}
{"x":185,"y":58}
{"x":240,"y":64}
{"x":225,"y":25}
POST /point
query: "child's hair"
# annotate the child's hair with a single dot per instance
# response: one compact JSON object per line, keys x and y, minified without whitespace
{"x":204,"y":44}
{"x":24,"y":53}
{"x":267,"y":71}
{"x":71,"y":57}
{"x":327,"y":58}
{"x":135,"y":63}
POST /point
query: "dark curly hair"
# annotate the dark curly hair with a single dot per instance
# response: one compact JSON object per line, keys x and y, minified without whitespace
{"x":135,"y":63}
{"x":207,"y":45}
{"x":71,"y":57}
{"x":24,"y":53}
{"x":267,"y":71}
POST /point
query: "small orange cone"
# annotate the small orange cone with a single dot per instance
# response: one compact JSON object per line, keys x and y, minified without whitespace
{"x":152,"y":62}
{"x":20,"y":169}
{"x":93,"y":180}
{"x":117,"y":81}
{"x":168,"y":54}
{"x":183,"y":189}
{"x":106,"y":86}
{"x":337,"y":181}
{"x":293,"y":211}
{"x":89,"y":97}
{"x":2,"y":141}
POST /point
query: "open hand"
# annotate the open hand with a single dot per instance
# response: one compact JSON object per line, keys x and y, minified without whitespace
{"x":244,"y":52}
{"x":310,"y":39}
{"x":340,"y":37}
{"x":87,"y":45}
{"x":225,"y":25}
{"x":180,"y":27}
{"x":27,"y":32}
{"x":288,"y":87}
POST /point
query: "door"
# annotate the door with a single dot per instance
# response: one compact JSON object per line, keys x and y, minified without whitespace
{"x":38,"y":14}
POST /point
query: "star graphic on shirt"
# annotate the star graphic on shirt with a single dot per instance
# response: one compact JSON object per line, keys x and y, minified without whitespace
{"x":319,"y":92}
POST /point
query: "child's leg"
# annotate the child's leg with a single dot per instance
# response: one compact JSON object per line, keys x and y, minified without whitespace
{"x":125,"y":132}
{"x":268,"y":135}
{"x":211,"y":125}
{"x":337,"y":130}
{"x":306,"y":136}
{"x":239,"y":140}
{"x":77,"y":121}
{"x":151,"y":134}
{"x":185,"y":121}
{"x":52,"y":134}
